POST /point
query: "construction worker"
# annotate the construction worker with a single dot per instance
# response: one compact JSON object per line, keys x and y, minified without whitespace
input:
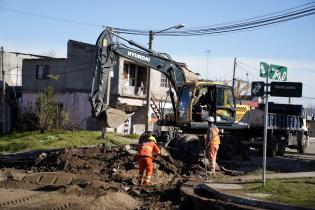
{"x":212,"y":142}
{"x":145,"y":154}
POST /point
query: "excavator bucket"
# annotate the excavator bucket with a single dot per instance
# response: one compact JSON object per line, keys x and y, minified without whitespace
{"x":112,"y":118}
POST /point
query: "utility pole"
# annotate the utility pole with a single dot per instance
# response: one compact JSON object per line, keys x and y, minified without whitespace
{"x":3,"y":93}
{"x":148,"y":98}
{"x":233,"y":80}
{"x":151,"y":34}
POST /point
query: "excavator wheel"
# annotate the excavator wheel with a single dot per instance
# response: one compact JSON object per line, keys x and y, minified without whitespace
{"x":184,"y":147}
{"x":189,"y":147}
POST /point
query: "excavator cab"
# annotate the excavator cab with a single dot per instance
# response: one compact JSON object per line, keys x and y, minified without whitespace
{"x":199,"y":100}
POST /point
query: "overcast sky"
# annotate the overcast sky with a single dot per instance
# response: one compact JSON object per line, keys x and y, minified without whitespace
{"x":41,"y":27}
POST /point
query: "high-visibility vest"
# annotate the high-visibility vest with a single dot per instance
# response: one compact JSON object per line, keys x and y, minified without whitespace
{"x":147,"y":149}
{"x":214,"y":135}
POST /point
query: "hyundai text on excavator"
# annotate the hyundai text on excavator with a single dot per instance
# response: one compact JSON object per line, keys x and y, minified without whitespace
{"x":183,"y":132}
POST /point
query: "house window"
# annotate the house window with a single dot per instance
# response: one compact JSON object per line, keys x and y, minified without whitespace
{"x":134,"y":75}
{"x":164,"y":81}
{"x":42,"y":71}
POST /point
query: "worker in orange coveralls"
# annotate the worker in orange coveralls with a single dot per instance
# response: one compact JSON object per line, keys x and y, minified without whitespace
{"x":145,"y":154}
{"x":212,"y":142}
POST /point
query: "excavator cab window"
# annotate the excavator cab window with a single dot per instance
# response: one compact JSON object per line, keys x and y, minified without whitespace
{"x":225,"y":105}
{"x":202,"y":103}
{"x":184,"y":103}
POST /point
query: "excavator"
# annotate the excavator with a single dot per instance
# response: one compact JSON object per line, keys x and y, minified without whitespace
{"x":192,"y":102}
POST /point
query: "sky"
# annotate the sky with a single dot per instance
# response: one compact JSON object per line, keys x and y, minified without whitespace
{"x":290,"y":44}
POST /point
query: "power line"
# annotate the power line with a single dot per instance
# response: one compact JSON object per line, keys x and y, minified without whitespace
{"x":291,"y":14}
{"x":50,"y":17}
{"x":235,"y":26}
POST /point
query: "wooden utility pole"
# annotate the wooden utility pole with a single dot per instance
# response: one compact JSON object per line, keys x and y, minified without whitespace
{"x":3,"y":93}
{"x":233,"y":80}
{"x":148,"y":111}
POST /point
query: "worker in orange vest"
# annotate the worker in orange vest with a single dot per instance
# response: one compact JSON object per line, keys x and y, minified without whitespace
{"x":145,"y":154}
{"x":212,"y":142}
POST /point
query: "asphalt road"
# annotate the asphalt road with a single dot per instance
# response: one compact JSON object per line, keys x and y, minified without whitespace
{"x":291,"y":162}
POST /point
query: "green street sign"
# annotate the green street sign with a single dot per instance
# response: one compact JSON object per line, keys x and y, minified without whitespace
{"x":263,"y":69}
{"x":278,"y":72}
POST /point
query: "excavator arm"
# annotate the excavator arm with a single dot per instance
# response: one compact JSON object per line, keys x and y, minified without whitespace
{"x":105,"y":59}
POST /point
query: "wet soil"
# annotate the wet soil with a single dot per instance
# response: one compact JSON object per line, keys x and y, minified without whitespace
{"x":100,"y":171}
{"x":105,"y":178}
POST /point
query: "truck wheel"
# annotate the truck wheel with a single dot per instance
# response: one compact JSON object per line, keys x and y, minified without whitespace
{"x":302,"y":145}
{"x":228,"y":147}
{"x":272,"y":146}
{"x":281,"y":148}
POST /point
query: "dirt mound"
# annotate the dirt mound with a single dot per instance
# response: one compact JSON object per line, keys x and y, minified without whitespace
{"x":114,"y":201}
{"x":110,"y":175}
{"x":106,"y":164}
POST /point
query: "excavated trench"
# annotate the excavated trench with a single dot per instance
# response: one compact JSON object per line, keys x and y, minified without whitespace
{"x":75,"y":177}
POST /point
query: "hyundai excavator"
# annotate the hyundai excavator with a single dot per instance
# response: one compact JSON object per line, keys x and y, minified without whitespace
{"x":192,"y":102}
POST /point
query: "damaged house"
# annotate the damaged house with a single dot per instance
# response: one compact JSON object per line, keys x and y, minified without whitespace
{"x":71,"y":79}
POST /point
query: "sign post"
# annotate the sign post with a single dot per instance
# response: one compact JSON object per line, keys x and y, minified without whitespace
{"x":265,"y":127}
{"x":282,"y":89}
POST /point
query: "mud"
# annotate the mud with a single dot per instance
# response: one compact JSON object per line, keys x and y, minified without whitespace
{"x":107,"y":177}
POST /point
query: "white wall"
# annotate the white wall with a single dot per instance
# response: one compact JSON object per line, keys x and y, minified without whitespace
{"x":76,"y":104}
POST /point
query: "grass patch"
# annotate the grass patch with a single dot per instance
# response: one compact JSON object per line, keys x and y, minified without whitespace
{"x":132,"y":136}
{"x":35,"y":140}
{"x":299,"y":192}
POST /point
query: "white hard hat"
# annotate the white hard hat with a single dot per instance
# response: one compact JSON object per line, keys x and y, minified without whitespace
{"x":210,"y":119}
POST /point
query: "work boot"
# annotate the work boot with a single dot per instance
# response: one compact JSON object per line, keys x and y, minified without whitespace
{"x":147,"y":183}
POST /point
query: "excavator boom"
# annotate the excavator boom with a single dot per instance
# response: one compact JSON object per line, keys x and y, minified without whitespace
{"x":105,"y":56}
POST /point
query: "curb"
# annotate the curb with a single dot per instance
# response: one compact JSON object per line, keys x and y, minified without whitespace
{"x":209,"y":192}
{"x":189,"y":200}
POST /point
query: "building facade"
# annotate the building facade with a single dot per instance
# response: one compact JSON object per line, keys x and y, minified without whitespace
{"x":71,"y":79}
{"x":12,"y":71}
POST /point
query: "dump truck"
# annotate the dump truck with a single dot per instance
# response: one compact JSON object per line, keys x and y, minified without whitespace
{"x":286,"y":128}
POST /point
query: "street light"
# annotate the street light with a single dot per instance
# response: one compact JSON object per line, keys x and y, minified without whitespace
{"x":151,"y":37}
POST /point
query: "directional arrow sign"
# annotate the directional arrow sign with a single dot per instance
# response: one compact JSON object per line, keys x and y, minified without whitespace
{"x":286,"y":89}
{"x":258,"y":88}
